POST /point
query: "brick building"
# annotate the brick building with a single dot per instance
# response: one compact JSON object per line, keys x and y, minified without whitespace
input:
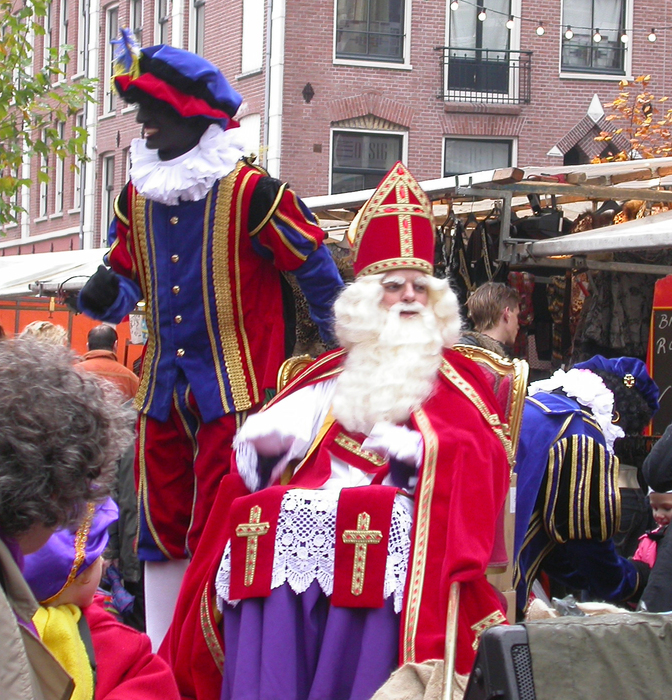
{"x":336,"y":90}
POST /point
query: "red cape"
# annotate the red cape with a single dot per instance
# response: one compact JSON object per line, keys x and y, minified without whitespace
{"x":126,"y":667}
{"x":462,"y":487}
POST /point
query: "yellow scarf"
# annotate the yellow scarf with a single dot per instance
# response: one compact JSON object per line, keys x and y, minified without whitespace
{"x":59,"y":633}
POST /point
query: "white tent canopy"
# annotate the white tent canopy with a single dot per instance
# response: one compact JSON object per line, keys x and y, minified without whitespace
{"x":27,"y":275}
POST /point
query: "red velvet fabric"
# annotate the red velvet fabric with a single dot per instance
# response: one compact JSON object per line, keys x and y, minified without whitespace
{"x":126,"y":667}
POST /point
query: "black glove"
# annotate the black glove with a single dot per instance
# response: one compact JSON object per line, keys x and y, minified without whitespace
{"x":101,"y":291}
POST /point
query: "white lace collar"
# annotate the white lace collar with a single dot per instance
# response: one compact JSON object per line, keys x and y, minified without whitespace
{"x":590,"y":391}
{"x":190,"y":176}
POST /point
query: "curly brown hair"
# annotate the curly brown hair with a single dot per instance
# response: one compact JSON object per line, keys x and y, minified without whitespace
{"x":60,"y":437}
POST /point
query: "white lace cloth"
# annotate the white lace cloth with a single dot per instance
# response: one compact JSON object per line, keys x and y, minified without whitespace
{"x":190,"y":176}
{"x":304,"y":546}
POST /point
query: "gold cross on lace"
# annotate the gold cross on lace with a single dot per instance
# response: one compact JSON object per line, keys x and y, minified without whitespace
{"x":253,"y":530}
{"x":362,"y":537}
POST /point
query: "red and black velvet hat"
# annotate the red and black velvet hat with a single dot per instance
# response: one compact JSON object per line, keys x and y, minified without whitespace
{"x":395,"y":228}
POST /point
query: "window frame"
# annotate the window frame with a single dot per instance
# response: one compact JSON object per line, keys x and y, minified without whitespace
{"x":47,"y":38}
{"x":379,"y":62}
{"x":59,"y":175}
{"x":77,"y":172}
{"x":109,"y":98}
{"x":511,"y":140}
{"x":197,"y":26}
{"x":81,"y":36}
{"x":133,"y":6}
{"x":107,"y":193}
{"x":43,"y":200}
{"x":63,"y":26}
{"x":378,"y":132}
{"x":162,"y":22}
{"x":587,"y":74}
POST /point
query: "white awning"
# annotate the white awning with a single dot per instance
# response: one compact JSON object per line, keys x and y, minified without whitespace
{"x":22,"y":275}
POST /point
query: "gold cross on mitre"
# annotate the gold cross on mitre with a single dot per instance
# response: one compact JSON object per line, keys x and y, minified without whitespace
{"x":253,"y":529}
{"x":362,"y":537}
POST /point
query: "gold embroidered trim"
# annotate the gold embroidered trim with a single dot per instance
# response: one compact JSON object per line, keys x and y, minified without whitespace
{"x":252,"y":531}
{"x":239,"y":299}
{"x":271,"y":211}
{"x":117,"y":212}
{"x":142,"y":244}
{"x":81,"y":537}
{"x":404,"y":222}
{"x":209,"y":633}
{"x":206,"y":305}
{"x":281,"y":235}
{"x":501,"y":430}
{"x":221,"y":271}
{"x":143,"y":495}
{"x":362,"y":537}
{"x":316,"y":364}
{"x":494,"y":618}
{"x":351,"y":445}
{"x":424,"y":495}
{"x":396,"y":263}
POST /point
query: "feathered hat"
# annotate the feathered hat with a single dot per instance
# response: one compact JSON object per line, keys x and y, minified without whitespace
{"x":68,"y":553}
{"x":395,"y":228}
{"x":189,"y":83}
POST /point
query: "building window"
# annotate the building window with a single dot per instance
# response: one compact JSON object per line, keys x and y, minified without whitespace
{"x":370,"y":30}
{"x":81,"y":35}
{"x":361,"y":159}
{"x":63,"y":29}
{"x":107,"y":212}
{"x":478,"y":55}
{"x":60,"y":174}
{"x":112,"y":25}
{"x":197,"y":26}
{"x":581,"y":53}
{"x":473,"y":155}
{"x":253,"y":37}
{"x":78,"y":172}
{"x":44,"y":180}
{"x":135,"y":18}
{"x":162,"y":18}
{"x":47,"y":43}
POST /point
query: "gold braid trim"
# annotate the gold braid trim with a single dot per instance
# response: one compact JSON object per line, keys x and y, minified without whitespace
{"x":494,"y":618}
{"x":208,"y":630}
{"x":501,"y":430}
{"x":351,"y":445}
{"x":81,"y":536}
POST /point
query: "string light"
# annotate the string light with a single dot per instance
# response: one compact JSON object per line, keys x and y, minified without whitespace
{"x":569,"y":34}
{"x":652,"y":37}
{"x":482,"y":15}
{"x":540,"y":29}
{"x":509,"y":22}
{"x":597,"y":37}
{"x":454,"y":5}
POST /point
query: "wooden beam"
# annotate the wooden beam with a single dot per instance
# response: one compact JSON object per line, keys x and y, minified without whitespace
{"x":587,"y":191}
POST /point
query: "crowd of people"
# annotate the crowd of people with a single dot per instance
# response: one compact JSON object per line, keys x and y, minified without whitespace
{"x":307,"y":544}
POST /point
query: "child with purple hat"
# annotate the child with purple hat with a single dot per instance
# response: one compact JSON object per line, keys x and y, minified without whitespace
{"x":105,"y":658}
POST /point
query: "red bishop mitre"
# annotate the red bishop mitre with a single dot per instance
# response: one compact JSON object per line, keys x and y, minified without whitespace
{"x":395,"y":228}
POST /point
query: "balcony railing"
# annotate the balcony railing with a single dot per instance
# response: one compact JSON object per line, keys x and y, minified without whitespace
{"x":493,"y":76}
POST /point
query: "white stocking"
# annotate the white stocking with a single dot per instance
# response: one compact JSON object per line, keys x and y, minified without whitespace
{"x":162,"y":586}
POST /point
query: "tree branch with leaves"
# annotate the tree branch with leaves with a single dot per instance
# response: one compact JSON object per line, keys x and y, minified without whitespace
{"x":35,"y":96}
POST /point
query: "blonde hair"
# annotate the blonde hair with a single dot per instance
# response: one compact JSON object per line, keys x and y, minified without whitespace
{"x":46,"y":332}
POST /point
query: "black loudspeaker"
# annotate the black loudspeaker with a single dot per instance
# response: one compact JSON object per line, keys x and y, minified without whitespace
{"x":503,"y":666}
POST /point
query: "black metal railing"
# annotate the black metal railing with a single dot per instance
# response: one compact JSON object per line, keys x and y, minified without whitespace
{"x":495,"y":76}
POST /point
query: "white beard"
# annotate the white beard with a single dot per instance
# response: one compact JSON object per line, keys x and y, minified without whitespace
{"x":391,"y":366}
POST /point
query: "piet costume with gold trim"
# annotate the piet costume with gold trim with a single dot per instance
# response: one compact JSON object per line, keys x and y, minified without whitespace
{"x":335,"y":588}
{"x":204,"y":240}
{"x":568,"y":502}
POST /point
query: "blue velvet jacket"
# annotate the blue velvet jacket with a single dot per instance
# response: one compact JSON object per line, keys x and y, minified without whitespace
{"x":567,"y":503}
{"x":210,"y":275}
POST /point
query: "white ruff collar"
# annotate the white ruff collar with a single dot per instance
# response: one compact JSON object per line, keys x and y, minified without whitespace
{"x":190,"y":176}
{"x":590,"y":391}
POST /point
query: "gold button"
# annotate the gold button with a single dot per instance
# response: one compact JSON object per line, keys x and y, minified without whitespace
{"x":180,"y":352}
{"x":178,"y":319}
{"x":176,"y":289}
{"x":173,"y":220}
{"x":175,"y":258}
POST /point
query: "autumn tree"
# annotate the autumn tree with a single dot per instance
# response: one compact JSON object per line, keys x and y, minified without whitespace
{"x":640,"y":118}
{"x":34,"y":98}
